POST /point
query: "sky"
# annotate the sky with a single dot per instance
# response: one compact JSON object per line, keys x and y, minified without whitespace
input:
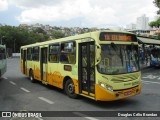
{"x":75,"y":13}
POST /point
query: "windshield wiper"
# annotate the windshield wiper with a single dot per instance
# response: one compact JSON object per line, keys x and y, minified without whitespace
{"x":114,"y":46}
{"x":121,"y":56}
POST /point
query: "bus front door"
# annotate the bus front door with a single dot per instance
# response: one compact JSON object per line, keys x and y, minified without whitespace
{"x":43,"y":65}
{"x":86,"y":68}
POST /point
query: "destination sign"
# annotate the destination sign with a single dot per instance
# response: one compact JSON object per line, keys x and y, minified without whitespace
{"x":104,"y":36}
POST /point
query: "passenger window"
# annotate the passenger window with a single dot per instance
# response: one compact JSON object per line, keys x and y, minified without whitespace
{"x":53,"y":53}
{"x":36,"y":54}
{"x":68,"y":53}
{"x":29,"y":54}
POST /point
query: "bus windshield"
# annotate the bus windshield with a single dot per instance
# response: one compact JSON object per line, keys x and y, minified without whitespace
{"x":155,"y":57}
{"x":118,"y":59}
{"x":155,"y":53}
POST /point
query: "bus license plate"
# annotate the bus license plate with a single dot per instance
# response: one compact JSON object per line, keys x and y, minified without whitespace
{"x":127,"y":93}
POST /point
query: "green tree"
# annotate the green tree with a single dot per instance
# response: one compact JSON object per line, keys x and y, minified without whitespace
{"x":39,"y":30}
{"x":152,"y":24}
{"x":155,"y":23}
{"x":57,"y":34}
{"x":15,"y":37}
{"x":157,"y":4}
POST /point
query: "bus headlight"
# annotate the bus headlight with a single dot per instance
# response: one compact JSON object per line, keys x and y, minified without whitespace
{"x":101,"y":84}
{"x":108,"y":87}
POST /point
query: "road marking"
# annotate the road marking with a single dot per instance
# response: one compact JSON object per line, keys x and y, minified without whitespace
{"x":5,"y":78}
{"x":150,"y":82}
{"x":145,"y":83}
{"x":85,"y":116}
{"x":46,"y":100}
{"x":150,"y":77}
{"x":24,"y":89}
{"x":13,"y":83}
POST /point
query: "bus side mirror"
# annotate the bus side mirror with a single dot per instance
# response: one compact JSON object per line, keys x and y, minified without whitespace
{"x":98,"y":54}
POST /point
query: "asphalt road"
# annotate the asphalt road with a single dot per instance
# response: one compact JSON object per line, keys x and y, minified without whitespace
{"x":17,"y":93}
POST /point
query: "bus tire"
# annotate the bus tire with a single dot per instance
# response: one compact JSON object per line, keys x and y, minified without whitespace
{"x":31,"y":76}
{"x":69,"y":89}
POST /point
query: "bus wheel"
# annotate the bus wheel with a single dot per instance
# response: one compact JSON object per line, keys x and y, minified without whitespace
{"x":31,"y":76}
{"x":69,"y":89}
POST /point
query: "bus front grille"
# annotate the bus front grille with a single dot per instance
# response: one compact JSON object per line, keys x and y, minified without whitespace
{"x":124,"y":78}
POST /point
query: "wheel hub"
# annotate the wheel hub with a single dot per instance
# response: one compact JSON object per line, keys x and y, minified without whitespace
{"x":71,"y":88}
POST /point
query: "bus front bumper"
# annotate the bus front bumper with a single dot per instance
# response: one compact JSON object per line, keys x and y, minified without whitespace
{"x":105,"y":95}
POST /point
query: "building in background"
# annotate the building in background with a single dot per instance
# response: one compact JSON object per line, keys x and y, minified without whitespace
{"x":142,"y":23}
{"x":131,"y":26}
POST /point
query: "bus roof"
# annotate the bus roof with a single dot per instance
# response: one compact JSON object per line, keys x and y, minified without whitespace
{"x":89,"y":34}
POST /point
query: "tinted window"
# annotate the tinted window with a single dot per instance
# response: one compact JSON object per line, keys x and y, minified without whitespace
{"x":68,"y":52}
{"x":36,"y":53}
{"x":118,"y":59}
{"x":29,"y":54}
{"x":54,"y":53}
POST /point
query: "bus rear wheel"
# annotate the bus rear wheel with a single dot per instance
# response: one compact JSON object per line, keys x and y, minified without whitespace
{"x":31,"y":76}
{"x":70,"y":89}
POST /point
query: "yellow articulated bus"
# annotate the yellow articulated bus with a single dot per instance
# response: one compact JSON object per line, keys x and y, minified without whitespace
{"x":101,"y":65}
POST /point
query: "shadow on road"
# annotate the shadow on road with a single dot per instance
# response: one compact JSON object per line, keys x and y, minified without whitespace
{"x":100,"y":104}
{"x":111,"y":104}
